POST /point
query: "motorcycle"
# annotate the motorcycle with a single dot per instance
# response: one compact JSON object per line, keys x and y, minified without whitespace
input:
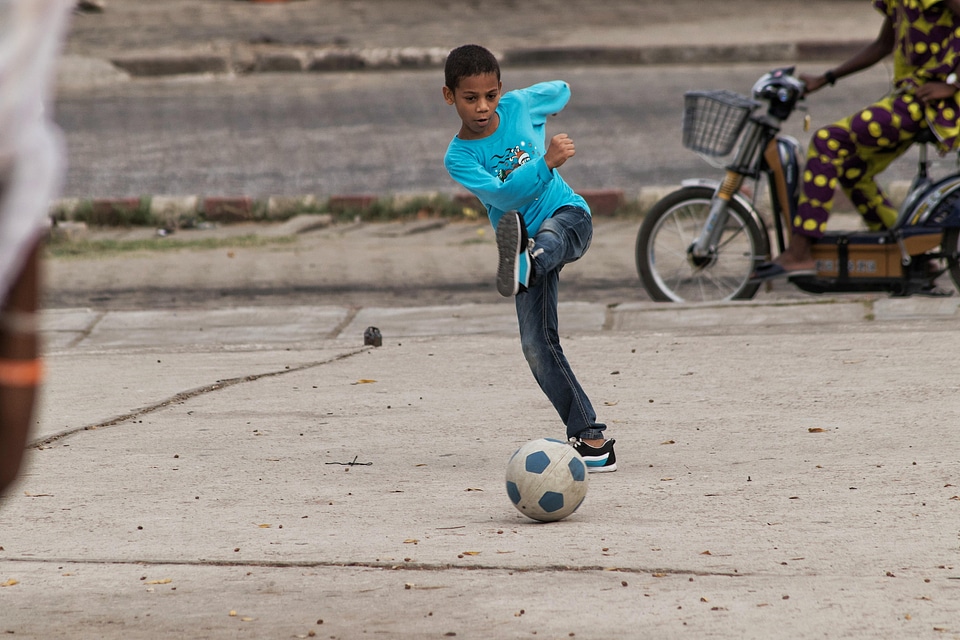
{"x":702,"y":242}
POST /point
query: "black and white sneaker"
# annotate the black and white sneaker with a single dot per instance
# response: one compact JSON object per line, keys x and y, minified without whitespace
{"x":513,"y":263}
{"x":598,"y":459}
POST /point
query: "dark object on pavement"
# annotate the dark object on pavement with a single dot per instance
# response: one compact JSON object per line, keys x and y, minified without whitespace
{"x":372,"y":337}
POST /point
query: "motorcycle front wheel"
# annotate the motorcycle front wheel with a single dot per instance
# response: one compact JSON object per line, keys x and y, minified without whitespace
{"x":670,"y":273}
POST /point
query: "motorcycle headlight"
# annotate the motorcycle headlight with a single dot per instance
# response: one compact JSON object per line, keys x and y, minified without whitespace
{"x":779,"y":85}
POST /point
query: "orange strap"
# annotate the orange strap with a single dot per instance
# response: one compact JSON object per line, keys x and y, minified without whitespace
{"x":21,"y":373}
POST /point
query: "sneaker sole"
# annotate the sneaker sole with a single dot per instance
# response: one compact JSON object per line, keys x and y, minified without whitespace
{"x":508,"y":247}
{"x":606,"y":469}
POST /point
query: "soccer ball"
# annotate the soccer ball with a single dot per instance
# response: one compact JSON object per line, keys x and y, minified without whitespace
{"x":546,"y":480}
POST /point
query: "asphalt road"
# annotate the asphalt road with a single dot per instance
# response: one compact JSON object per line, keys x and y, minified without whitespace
{"x":385,"y":133}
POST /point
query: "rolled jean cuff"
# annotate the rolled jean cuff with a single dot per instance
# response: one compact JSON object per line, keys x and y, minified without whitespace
{"x":594,"y":433}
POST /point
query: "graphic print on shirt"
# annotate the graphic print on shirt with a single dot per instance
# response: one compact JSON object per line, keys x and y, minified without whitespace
{"x":512,"y":158}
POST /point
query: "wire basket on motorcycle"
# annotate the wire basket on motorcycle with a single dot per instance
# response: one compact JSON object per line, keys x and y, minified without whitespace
{"x":713,"y":120}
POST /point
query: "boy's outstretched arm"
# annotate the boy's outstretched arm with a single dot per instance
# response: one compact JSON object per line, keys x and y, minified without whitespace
{"x":524,"y":184}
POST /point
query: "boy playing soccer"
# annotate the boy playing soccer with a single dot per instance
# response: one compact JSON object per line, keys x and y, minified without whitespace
{"x":501,"y":156}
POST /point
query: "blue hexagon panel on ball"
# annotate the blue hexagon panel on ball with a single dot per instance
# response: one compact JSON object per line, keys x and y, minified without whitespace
{"x":546,"y":480}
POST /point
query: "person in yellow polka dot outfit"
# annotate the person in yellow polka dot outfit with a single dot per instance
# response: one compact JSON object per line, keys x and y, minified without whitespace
{"x":924,"y":37}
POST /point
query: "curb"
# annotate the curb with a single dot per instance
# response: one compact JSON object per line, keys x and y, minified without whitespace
{"x":247,"y":59}
{"x":173,"y":212}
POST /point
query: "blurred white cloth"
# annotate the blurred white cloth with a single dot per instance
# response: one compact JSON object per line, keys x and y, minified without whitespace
{"x":31,"y":147}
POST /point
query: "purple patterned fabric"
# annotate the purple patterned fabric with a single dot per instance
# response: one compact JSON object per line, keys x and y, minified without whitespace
{"x":851,"y":152}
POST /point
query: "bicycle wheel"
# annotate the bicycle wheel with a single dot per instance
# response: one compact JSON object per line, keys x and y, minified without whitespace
{"x":671,"y":274}
{"x":950,"y":246}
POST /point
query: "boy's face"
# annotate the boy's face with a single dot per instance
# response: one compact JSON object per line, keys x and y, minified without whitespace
{"x":476,"y":101}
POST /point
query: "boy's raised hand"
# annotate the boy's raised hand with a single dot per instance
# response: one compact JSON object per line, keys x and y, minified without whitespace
{"x":560,"y":150}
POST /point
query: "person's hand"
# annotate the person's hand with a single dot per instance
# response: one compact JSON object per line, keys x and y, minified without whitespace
{"x":934,"y":91}
{"x":560,"y":150}
{"x":813,"y":82}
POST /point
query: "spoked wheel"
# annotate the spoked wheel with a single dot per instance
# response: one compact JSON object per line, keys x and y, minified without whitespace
{"x":951,"y":247}
{"x":671,"y":273}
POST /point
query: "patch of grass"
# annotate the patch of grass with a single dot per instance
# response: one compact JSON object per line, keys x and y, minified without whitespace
{"x":106,"y":248}
{"x":424,"y":206}
{"x":389,"y":209}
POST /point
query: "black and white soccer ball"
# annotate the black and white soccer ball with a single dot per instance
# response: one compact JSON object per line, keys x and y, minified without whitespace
{"x":546,"y":479}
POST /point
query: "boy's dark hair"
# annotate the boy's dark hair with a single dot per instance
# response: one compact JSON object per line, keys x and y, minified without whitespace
{"x":469,"y":60}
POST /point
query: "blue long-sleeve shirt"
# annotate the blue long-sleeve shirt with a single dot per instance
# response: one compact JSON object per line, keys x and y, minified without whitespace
{"x":507,"y":170}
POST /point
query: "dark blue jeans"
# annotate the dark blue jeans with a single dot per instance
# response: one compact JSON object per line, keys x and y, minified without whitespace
{"x":563,"y":238}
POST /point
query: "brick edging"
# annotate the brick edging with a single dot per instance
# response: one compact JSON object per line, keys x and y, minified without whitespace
{"x":184,"y":211}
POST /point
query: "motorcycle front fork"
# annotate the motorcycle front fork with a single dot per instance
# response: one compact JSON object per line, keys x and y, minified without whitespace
{"x":706,"y":243}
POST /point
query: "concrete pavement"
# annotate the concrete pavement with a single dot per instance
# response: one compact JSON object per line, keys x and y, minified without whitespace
{"x":787,"y":468}
{"x":224,"y":472}
{"x":191,"y":476}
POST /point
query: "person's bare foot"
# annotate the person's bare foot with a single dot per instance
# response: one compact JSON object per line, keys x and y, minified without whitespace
{"x":797,"y":256}
{"x":791,"y":266}
{"x":796,"y":260}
